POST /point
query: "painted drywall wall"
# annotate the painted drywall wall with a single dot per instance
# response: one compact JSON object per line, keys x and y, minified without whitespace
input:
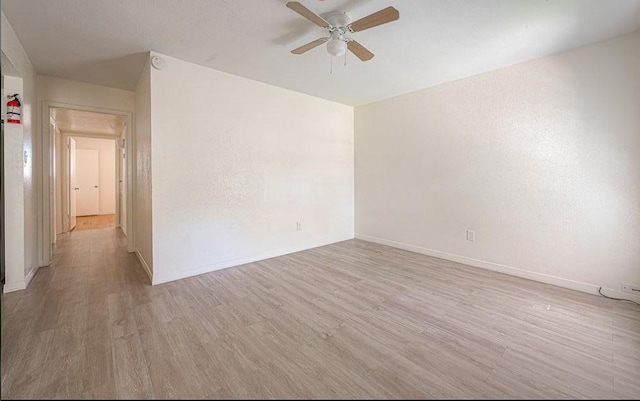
{"x":541,"y":160}
{"x":142,"y":226}
{"x":107,"y":165}
{"x":236,"y":169}
{"x":13,"y":179}
{"x":82,"y":94}
{"x":20,"y":147}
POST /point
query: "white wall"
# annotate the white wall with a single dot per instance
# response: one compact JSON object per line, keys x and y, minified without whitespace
{"x":107,"y":175}
{"x":14,"y":215}
{"x":20,"y":147}
{"x":142,"y":192}
{"x":82,"y":94}
{"x":236,"y":169}
{"x":541,"y":159}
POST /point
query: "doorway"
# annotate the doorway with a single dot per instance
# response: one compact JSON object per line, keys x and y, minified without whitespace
{"x":89,"y":171}
{"x":93,"y":191}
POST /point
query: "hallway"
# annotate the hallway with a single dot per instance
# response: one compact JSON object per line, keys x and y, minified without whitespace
{"x":56,"y":335}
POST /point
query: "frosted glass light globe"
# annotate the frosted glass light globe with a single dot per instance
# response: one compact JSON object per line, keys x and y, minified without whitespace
{"x":336,"y":47}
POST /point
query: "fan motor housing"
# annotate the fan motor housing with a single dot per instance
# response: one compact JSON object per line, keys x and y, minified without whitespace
{"x":339,"y":19}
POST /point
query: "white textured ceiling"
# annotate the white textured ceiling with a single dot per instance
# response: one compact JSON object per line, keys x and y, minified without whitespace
{"x":435,"y":41}
{"x":86,"y":122}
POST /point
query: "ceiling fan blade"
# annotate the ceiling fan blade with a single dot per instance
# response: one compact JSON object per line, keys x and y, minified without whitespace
{"x":309,"y":46}
{"x":360,"y":51}
{"x":381,"y":17}
{"x":308,"y":14}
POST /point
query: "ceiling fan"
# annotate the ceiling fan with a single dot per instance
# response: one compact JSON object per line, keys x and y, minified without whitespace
{"x":339,"y":27}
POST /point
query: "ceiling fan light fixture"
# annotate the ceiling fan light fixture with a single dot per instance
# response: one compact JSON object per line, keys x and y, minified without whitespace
{"x":339,"y":27}
{"x":336,"y":47}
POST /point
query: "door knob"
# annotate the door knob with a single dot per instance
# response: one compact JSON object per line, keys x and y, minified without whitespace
{"x":95,"y":186}
{"x":76,"y":188}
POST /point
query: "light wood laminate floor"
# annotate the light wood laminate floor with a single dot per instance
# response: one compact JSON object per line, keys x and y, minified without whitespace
{"x":348,"y":320}
{"x":93,"y":222}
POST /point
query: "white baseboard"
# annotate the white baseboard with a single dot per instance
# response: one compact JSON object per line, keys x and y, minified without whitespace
{"x":30,"y":276}
{"x":241,"y":261}
{"x":513,"y":271}
{"x":145,"y":265}
{"x":20,"y":285}
{"x":11,"y":287}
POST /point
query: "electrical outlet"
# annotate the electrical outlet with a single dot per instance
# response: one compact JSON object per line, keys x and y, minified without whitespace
{"x":471,"y":235}
{"x":631,"y":289}
{"x":299,"y":226}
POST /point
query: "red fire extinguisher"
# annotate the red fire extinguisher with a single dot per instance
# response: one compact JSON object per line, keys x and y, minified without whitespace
{"x":13,"y":109}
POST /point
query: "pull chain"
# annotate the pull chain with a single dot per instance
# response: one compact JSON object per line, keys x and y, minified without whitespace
{"x":345,"y":58}
{"x":331,"y":65}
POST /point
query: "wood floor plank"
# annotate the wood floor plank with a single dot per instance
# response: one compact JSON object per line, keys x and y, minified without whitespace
{"x":97,"y":371}
{"x":132,"y":378}
{"x":121,"y":314}
{"x":562,"y":378}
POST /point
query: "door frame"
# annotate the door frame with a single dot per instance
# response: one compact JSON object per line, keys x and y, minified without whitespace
{"x":46,"y":212}
{"x":65,"y":172}
{"x":67,"y":187}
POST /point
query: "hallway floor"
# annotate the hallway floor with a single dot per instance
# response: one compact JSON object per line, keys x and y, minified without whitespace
{"x":347,"y":320}
{"x":93,"y":222}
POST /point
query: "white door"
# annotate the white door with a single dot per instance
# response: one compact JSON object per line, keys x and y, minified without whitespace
{"x":87,"y":179}
{"x":73,"y":188}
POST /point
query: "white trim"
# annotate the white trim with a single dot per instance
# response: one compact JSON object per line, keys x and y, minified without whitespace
{"x":145,"y":265}
{"x":116,"y":160}
{"x":21,"y":285}
{"x":11,"y":287}
{"x":94,"y":136}
{"x":237,"y":262}
{"x":510,"y":270}
{"x":31,"y":275}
